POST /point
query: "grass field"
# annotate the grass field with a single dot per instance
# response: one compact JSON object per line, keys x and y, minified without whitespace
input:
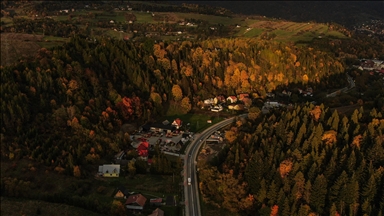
{"x":197,"y":122}
{"x":289,"y":31}
{"x":18,"y":207}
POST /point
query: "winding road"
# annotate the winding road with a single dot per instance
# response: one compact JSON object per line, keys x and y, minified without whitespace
{"x":191,"y":192}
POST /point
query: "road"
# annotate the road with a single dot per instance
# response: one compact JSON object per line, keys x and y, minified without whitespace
{"x":191,"y":192}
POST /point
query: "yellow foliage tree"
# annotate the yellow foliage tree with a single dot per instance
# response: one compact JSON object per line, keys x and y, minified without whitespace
{"x":230,"y":136}
{"x":156,"y":97}
{"x":329,"y":137}
{"x":177,"y":92}
{"x":186,"y":105}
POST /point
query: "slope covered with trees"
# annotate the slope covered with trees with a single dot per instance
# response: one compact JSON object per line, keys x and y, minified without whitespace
{"x":65,"y":107}
{"x":304,"y":161}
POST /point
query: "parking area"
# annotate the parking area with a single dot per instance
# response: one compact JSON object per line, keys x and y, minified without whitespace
{"x":168,"y":142}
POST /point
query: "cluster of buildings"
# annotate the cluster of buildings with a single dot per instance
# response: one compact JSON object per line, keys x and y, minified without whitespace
{"x":138,"y":202}
{"x":372,"y":65}
{"x":234,"y":102}
{"x":372,"y":27}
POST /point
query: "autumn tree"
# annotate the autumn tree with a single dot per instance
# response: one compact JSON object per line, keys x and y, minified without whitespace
{"x":177,"y":93}
{"x":185,"y":105}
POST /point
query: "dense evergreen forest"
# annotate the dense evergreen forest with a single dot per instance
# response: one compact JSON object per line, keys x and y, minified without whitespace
{"x":304,"y":161}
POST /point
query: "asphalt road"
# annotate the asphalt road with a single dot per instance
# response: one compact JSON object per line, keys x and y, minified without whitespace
{"x":191,"y":192}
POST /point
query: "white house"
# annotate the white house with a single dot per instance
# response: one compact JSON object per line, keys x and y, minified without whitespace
{"x":209,"y":101}
{"x":109,"y":170}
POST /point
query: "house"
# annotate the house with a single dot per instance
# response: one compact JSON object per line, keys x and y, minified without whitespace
{"x":157,"y":212}
{"x":177,"y":123}
{"x":142,"y":149}
{"x":121,"y":192}
{"x":219,"y":99}
{"x":232,"y":99}
{"x":209,"y":101}
{"x":156,"y":201}
{"x":109,"y":170}
{"x":159,"y":127}
{"x":239,"y":107}
{"x":242,"y":96}
{"x":217,"y":108}
{"x":135,"y":202}
{"x":111,"y":21}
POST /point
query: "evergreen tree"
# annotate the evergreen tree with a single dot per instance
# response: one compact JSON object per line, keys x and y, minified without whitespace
{"x":318,"y":194}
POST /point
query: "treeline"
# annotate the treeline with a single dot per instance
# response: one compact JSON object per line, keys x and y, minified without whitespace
{"x":66,"y":107}
{"x":47,"y":26}
{"x":304,"y":161}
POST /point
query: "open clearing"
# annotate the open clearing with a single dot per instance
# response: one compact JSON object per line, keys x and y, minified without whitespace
{"x":17,"y":45}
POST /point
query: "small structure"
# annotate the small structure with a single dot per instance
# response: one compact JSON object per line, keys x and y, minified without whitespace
{"x":121,"y":192}
{"x":232,"y":99}
{"x":120,"y":155}
{"x":157,"y":212}
{"x":109,"y":170}
{"x":135,"y":202}
{"x":177,"y":123}
{"x":270,"y":95}
{"x":156,"y":202}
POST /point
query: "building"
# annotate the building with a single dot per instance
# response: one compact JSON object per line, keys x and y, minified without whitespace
{"x":157,"y":212}
{"x":109,"y":170}
{"x":159,"y":127}
{"x":232,"y":99}
{"x":243,"y":96}
{"x":142,"y":150}
{"x":135,"y":202}
{"x":156,"y":202}
{"x":121,"y":192}
{"x":177,"y":123}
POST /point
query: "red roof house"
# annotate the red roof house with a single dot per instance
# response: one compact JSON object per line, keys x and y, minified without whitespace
{"x":232,"y":99}
{"x":136,"y":202}
{"x":243,"y":96}
{"x":143,"y":149}
{"x":177,"y":123}
{"x":157,"y":212}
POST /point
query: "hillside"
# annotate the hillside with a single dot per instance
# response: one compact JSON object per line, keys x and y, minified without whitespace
{"x":26,"y":27}
{"x":348,"y":14}
{"x":77,"y":86}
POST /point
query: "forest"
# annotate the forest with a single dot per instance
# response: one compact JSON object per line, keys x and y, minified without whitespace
{"x":81,"y":93}
{"x":304,"y":161}
{"x":65,"y":107}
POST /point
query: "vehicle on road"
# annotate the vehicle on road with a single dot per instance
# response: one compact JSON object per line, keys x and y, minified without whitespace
{"x":189,"y":181}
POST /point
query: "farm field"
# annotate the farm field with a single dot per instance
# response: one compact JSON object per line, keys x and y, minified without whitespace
{"x":289,"y":31}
